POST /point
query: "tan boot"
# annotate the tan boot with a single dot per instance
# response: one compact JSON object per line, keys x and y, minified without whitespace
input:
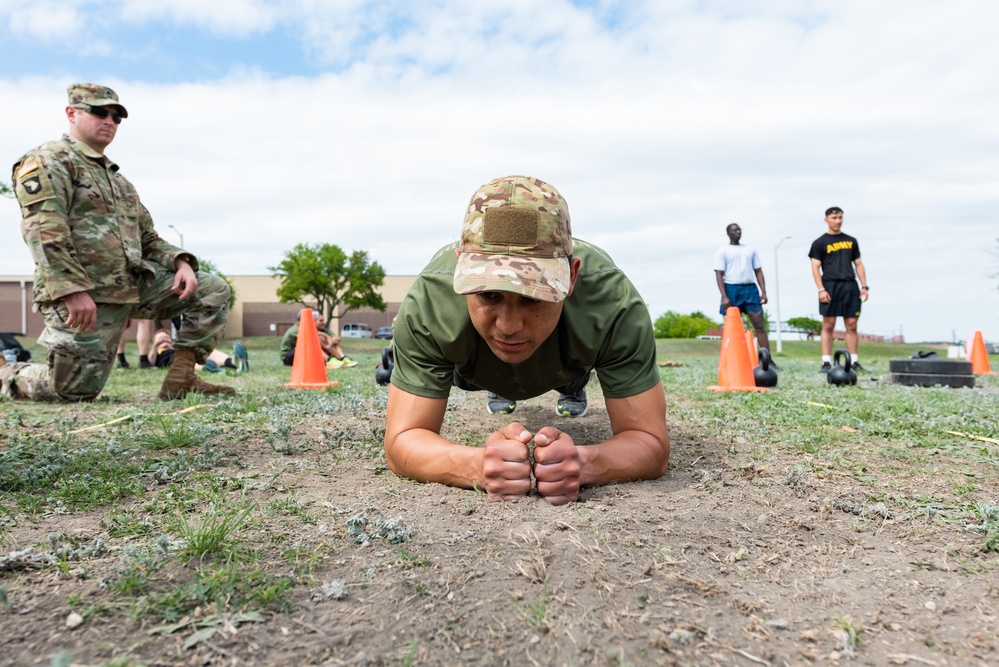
{"x":181,"y":380}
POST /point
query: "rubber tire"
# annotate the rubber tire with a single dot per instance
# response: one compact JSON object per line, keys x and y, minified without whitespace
{"x":930,"y":366}
{"x":933,"y":379}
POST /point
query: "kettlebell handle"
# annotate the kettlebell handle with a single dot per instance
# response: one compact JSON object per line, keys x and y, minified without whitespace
{"x":843,"y":353}
{"x":764,"y":355}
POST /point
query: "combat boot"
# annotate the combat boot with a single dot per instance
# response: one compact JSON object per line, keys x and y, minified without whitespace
{"x":181,"y":379}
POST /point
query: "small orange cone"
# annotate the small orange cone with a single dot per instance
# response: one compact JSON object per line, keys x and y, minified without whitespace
{"x":980,"y":356}
{"x":735,"y":372}
{"x":754,"y":358}
{"x":309,"y":370}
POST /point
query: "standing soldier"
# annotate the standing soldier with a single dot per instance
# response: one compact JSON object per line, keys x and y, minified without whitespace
{"x":736,"y":268}
{"x":836,"y":266}
{"x":98,"y":261}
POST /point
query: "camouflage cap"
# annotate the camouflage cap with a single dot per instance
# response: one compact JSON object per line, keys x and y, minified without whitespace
{"x":516,"y":238}
{"x":95,"y":95}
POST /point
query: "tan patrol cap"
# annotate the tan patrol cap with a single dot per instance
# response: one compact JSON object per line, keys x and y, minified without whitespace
{"x":95,"y":95}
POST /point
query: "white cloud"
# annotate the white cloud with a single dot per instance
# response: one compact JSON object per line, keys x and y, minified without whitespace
{"x":44,"y":21}
{"x":659,"y":131}
{"x":221,"y":17}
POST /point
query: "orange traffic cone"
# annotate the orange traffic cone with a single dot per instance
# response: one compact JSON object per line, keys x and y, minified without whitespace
{"x":309,"y":370}
{"x":754,"y":357}
{"x":735,"y":372}
{"x":980,"y":356}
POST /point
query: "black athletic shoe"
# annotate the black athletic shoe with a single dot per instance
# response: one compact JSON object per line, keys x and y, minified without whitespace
{"x":826,"y":367}
{"x":573,"y":405}
{"x":857,"y":368}
{"x":123,"y":362}
{"x":144,"y":363}
{"x":497,"y":405}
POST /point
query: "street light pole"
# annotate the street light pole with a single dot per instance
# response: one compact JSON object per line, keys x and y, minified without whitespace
{"x":178,"y":234}
{"x":780,"y":346}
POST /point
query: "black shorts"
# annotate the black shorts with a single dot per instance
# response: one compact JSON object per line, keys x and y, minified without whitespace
{"x":845,"y":299}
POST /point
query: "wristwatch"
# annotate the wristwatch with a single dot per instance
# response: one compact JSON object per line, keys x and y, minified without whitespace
{"x":865,"y":287}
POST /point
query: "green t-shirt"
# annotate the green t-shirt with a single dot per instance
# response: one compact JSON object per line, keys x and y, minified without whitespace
{"x":604,"y":325}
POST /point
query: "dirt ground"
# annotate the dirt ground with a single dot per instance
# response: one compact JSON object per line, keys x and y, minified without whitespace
{"x":728,"y":559}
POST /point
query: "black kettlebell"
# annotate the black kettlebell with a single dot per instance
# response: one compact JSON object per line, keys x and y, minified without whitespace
{"x":840,"y":375}
{"x":383,"y":371}
{"x":764,"y":374}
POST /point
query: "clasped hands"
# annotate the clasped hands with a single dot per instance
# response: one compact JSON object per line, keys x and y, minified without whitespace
{"x":507,"y":465}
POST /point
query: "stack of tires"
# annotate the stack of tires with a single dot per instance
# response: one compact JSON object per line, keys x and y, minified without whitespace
{"x":930,"y":371}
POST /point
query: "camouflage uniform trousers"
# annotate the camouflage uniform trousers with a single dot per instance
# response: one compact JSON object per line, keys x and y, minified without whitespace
{"x":79,"y":362}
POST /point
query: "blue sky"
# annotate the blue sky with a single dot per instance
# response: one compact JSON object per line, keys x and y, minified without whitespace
{"x":256,"y":125}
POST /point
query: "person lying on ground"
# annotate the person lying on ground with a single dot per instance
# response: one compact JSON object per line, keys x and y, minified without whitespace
{"x":518,"y":308}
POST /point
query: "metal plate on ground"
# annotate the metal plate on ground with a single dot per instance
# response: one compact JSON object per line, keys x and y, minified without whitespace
{"x":930,"y":365}
{"x":933,"y":379}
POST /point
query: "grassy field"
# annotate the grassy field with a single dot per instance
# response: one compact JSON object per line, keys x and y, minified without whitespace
{"x":182,"y":511}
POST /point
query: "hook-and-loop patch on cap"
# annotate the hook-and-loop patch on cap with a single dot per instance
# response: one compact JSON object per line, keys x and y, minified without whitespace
{"x":516,"y":237}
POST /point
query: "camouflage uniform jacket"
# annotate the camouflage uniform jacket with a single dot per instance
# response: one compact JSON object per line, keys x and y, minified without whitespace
{"x":85,"y":226}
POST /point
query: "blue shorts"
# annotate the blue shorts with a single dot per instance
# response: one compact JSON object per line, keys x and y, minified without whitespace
{"x":744,"y":297}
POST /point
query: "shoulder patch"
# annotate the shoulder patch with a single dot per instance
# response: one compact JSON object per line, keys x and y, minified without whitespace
{"x":27,"y":167}
{"x":32,"y":184}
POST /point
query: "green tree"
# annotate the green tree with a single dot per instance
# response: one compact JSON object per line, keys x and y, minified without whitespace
{"x":5,"y":190}
{"x":677,"y":325}
{"x":208,"y":266}
{"x":806,"y":324}
{"x":331,"y":278}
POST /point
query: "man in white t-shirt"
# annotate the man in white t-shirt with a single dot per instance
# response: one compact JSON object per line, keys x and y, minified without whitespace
{"x":737,"y":270}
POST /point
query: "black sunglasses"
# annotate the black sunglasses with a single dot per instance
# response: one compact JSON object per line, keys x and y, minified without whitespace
{"x":101,"y":112}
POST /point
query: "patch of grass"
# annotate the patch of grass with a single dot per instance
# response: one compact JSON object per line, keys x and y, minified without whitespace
{"x":169,"y":432}
{"x":212,"y":536}
{"x":291,"y":507}
{"x":535,"y":612}
{"x":280,"y":438}
{"x":124,"y":523}
{"x":226,"y":590}
{"x":407,"y":661}
{"x":182,"y":464}
{"x":849,"y":634}
{"x":73,"y":475}
{"x":988,"y":515}
{"x":886,"y":436}
{"x":407,"y":558}
{"x":304,"y":557}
